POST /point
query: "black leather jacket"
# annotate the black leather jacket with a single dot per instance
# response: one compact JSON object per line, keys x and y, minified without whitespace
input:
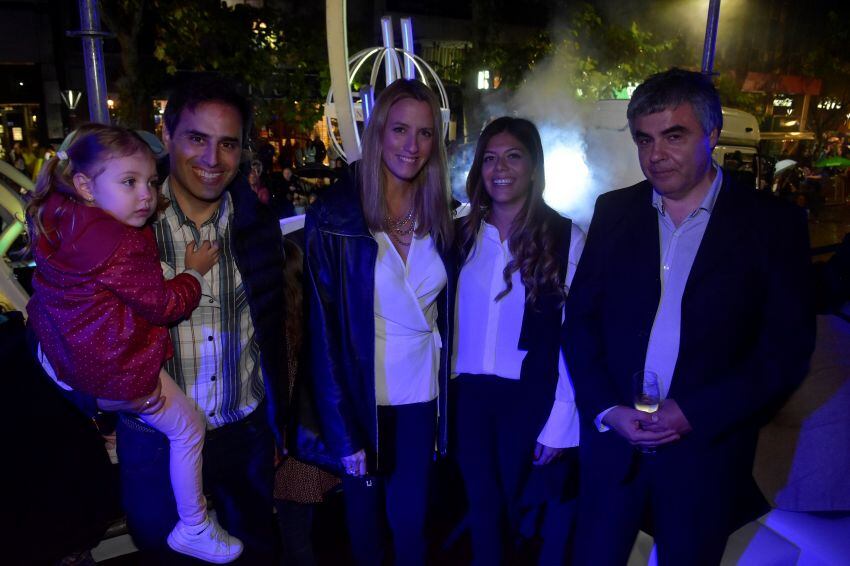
{"x":339,"y":287}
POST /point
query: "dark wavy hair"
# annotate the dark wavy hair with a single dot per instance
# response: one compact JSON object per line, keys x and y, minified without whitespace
{"x":532,"y":241}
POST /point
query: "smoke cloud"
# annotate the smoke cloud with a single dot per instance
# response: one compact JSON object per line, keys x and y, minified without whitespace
{"x":587,"y":146}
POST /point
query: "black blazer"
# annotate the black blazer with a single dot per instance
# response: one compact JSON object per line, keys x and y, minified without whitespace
{"x":258,"y":251}
{"x":747,"y":329}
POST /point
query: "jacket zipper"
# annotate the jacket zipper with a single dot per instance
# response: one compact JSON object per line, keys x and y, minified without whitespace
{"x":443,"y":412}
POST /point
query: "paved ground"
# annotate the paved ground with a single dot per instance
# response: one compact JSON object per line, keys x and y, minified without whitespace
{"x":829,"y":225}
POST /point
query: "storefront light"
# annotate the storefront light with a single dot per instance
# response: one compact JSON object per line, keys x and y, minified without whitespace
{"x":829,"y":104}
{"x":71,"y":98}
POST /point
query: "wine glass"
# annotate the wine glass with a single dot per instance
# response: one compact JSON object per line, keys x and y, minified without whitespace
{"x":647,"y":395}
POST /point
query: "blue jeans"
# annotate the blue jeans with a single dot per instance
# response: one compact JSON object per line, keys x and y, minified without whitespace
{"x":238,"y":471}
{"x":295,"y":521}
{"x":398,"y":495}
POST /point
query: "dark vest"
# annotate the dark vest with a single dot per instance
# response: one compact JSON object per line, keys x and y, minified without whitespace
{"x":541,"y":322}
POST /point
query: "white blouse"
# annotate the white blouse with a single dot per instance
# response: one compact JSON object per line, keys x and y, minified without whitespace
{"x":407,"y":340}
{"x":487,"y":331}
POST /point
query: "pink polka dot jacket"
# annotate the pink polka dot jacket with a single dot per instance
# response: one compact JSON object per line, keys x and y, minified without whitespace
{"x":100,"y":304}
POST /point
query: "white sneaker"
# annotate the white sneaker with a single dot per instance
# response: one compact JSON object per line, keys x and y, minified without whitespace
{"x":207,"y":541}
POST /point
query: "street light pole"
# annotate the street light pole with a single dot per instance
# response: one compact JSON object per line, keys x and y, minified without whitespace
{"x":710,"y":37}
{"x":92,"y":38}
{"x":335,"y":16}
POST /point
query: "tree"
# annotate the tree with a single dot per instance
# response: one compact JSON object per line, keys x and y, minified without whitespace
{"x":596,"y":58}
{"x":731,"y":95}
{"x":282,"y":64}
{"x":602,"y":58}
{"x":133,"y":23}
{"x":829,"y":60}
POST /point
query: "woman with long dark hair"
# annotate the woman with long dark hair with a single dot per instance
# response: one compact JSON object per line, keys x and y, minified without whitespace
{"x":514,"y":399}
{"x":378,"y":304}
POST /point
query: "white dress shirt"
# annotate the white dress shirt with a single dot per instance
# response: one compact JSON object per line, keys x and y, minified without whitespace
{"x":679,"y":246}
{"x":407,"y":341}
{"x":488,"y":331}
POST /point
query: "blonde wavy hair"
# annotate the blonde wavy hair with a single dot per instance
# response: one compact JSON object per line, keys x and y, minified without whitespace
{"x":533,"y":240}
{"x":86,"y":151}
{"x":431,"y":201}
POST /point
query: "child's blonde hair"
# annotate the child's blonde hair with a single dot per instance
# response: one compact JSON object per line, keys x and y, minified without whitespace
{"x":85,"y":150}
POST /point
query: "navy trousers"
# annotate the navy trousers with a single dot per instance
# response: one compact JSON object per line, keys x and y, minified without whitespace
{"x":498,"y":421}
{"x":688,"y":519}
{"x":398,"y":493}
{"x":238,"y":473}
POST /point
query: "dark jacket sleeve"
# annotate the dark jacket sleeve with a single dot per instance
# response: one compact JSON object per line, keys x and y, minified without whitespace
{"x":581,"y":335}
{"x":325,"y":336}
{"x":780,"y":359}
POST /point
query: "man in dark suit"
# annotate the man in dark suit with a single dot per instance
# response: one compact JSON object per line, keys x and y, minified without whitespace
{"x":706,"y":284}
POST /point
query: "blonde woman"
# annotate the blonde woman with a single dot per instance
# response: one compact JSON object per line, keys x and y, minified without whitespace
{"x":377,"y":302}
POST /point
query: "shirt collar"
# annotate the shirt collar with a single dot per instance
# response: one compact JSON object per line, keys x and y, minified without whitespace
{"x":490,"y":232}
{"x":708,"y":201}
{"x":222,"y":212}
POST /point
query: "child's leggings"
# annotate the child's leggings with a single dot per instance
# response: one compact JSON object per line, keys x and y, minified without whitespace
{"x":181,"y":423}
{"x":183,"y":426}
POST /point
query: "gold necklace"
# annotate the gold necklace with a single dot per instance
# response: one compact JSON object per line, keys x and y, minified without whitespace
{"x":400,"y":226}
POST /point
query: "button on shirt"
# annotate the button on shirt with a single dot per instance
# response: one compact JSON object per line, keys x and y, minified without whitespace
{"x":488,"y":330}
{"x":407,"y":341}
{"x":679,"y":246}
{"x":215,"y":352}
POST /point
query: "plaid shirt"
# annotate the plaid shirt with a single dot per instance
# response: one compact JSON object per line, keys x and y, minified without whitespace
{"x":215,"y":351}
